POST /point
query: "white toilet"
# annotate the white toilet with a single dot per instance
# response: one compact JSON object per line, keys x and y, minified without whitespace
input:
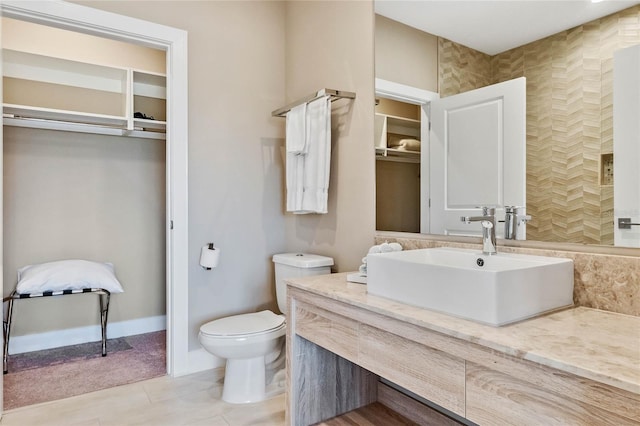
{"x":246,"y":340}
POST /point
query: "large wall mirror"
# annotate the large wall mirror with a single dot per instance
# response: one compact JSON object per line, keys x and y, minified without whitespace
{"x":565,"y":51}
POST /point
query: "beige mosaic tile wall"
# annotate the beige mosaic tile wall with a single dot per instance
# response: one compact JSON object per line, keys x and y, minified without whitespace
{"x":566,"y":132}
{"x":601,"y":281}
{"x":461,"y":68}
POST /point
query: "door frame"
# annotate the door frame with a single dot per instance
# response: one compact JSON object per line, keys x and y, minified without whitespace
{"x":413,"y":95}
{"x":87,"y":20}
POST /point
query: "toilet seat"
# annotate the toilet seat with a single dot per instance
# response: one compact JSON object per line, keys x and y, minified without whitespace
{"x":244,"y":325}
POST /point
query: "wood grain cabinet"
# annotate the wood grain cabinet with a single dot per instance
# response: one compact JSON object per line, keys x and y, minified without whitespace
{"x":425,"y":371}
{"x":347,"y":348}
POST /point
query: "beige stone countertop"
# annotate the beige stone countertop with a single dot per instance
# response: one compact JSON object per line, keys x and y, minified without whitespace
{"x":598,"y":345}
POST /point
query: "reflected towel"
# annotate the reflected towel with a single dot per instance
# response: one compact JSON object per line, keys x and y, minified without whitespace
{"x":409,"y":145}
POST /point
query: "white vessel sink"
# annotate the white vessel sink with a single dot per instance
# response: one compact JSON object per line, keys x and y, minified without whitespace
{"x":495,"y":290}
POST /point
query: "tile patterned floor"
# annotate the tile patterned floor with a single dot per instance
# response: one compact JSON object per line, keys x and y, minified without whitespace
{"x":189,"y":400}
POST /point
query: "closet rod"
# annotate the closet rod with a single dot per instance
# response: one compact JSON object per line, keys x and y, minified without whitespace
{"x":334,"y":94}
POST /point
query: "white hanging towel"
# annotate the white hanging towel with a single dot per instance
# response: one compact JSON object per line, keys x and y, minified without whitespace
{"x":296,"y":147}
{"x":308,"y":162}
{"x":296,"y":137}
{"x":317,"y":161}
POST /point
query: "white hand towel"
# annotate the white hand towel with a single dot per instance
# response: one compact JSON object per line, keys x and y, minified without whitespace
{"x":385,"y":248}
{"x":395,"y":246}
{"x":296,"y":147}
{"x":317,"y":162}
{"x":375,"y":249}
{"x":296,"y":125}
{"x":294,"y":176}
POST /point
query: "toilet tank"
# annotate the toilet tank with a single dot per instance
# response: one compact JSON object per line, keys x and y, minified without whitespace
{"x":291,"y":265}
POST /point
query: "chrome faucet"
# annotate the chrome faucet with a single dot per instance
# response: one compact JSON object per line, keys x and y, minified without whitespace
{"x":514,"y":220}
{"x":488,"y":222}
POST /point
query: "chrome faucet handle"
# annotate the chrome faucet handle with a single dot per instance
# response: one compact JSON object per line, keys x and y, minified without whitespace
{"x":487,"y":211}
{"x":514,"y":218}
{"x":516,"y":212}
{"x":524,"y":217}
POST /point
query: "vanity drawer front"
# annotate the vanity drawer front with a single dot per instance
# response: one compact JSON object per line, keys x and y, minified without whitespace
{"x":428,"y":372}
{"x":494,"y":398}
{"x":334,"y":332}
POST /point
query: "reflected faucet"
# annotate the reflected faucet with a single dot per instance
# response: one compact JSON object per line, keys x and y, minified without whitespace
{"x":514,"y":220}
{"x":488,"y":222}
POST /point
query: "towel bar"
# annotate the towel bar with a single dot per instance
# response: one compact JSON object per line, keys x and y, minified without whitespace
{"x":334,"y":94}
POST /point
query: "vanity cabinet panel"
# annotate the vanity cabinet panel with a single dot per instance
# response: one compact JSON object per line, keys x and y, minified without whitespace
{"x":331,"y":331}
{"x":494,"y":398}
{"x":584,"y":391}
{"x":486,"y":385}
{"x":430,"y":373}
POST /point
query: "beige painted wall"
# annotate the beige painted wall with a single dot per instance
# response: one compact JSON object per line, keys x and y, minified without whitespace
{"x":397,"y":196}
{"x":236,"y":78}
{"x":33,"y":38}
{"x":236,"y":174}
{"x":330,"y":44}
{"x":72,"y":195}
{"x":405,"y":55}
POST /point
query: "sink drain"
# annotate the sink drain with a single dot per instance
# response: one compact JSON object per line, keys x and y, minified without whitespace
{"x":480,"y":261}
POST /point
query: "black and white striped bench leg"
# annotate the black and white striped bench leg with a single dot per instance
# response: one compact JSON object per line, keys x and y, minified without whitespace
{"x":103,"y":295}
{"x":104,"y":313}
{"x":6,"y":331}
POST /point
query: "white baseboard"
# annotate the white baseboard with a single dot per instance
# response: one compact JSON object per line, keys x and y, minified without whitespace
{"x":92,"y":333}
{"x":200,"y":360}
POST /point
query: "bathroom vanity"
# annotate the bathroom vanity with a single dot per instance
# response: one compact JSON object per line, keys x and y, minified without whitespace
{"x":574,"y":366}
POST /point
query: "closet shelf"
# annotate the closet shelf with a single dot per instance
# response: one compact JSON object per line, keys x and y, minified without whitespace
{"x":149,"y":124}
{"x":81,"y":122}
{"x":398,"y":155}
{"x":28,"y":112}
{"x":48,"y":92}
{"x":67,"y":126}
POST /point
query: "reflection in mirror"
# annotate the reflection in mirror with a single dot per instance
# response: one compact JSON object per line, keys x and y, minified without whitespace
{"x":570,"y":160}
{"x":397,"y":144}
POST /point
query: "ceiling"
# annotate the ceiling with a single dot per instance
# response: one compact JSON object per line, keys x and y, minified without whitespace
{"x":495,"y":26}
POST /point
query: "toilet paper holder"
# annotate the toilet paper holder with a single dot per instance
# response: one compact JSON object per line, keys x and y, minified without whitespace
{"x":209,"y":257}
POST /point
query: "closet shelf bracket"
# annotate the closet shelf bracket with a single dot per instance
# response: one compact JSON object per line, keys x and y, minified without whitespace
{"x":332,"y":93}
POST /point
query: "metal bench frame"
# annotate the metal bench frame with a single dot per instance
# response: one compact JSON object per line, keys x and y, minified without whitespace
{"x":104,"y":297}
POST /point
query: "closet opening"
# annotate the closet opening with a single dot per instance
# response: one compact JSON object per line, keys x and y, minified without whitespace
{"x":398,"y":155}
{"x":85,"y":177}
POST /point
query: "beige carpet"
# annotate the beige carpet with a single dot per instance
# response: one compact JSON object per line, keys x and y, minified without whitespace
{"x":59,"y":373}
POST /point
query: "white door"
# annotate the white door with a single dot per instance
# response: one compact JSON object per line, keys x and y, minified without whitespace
{"x":626,"y":146}
{"x":477,"y":155}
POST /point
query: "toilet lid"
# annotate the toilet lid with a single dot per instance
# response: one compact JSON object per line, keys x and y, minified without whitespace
{"x":243,"y":324}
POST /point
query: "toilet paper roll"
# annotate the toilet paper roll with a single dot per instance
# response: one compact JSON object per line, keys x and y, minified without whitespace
{"x":209,"y":257}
